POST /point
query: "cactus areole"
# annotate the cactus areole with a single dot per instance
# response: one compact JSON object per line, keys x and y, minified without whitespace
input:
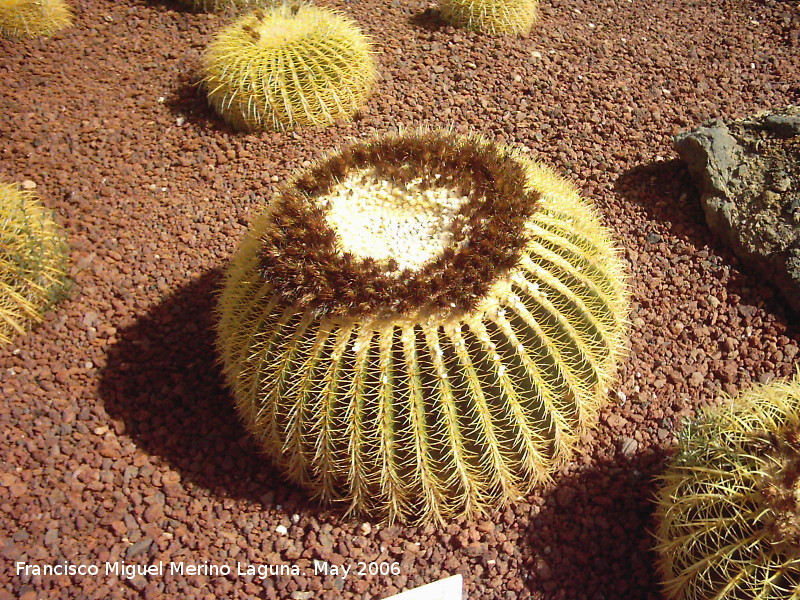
{"x":398,"y":226}
{"x":422,"y":325}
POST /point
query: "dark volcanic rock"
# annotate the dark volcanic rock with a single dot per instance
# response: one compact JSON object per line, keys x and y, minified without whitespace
{"x":748,"y":172}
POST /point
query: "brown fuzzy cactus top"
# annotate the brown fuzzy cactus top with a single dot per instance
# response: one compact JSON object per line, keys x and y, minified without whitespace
{"x":299,"y":253}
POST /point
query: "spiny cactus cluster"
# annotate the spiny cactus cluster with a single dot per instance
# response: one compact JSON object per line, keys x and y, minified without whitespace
{"x":33,"y":258}
{"x":729,"y":510}
{"x":288,"y":66}
{"x":422,"y":325}
{"x":495,"y":17}
{"x":33,"y":18}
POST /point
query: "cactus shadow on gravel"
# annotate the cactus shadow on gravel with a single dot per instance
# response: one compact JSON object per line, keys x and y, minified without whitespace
{"x":594,"y":532}
{"x":189,"y":102}
{"x":428,"y":19}
{"x":162,"y":381}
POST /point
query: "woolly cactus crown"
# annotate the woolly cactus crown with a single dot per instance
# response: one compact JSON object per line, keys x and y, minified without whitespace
{"x":729,"y":509}
{"x":422,"y":325}
{"x":33,"y":18}
{"x":384,"y":226}
{"x":287,"y":66}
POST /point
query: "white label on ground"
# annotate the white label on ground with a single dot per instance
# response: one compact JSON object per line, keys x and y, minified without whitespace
{"x":451,"y":588}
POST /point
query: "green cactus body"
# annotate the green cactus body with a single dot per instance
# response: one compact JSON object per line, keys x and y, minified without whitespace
{"x":33,"y":259}
{"x":289,"y":66}
{"x":33,"y":18}
{"x":422,"y":326}
{"x":728,"y":510}
{"x":495,"y":17}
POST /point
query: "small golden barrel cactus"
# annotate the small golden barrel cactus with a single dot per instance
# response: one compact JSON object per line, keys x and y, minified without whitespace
{"x":729,"y":509}
{"x":495,"y":17}
{"x":33,"y":259}
{"x":33,"y":18}
{"x":227,"y":6}
{"x":288,"y":66}
{"x":422,"y":325}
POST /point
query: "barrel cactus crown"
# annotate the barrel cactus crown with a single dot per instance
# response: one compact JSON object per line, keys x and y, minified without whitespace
{"x":495,"y":17}
{"x":33,"y":18}
{"x":288,"y":66}
{"x":422,"y":325}
{"x":33,"y":259}
{"x":729,"y":509}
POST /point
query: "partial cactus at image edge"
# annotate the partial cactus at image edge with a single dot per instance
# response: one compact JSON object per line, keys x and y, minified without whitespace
{"x":288,"y":66}
{"x":494,"y":17}
{"x":33,"y":261}
{"x":33,"y":18}
{"x":424,"y":412}
{"x":728,"y":511}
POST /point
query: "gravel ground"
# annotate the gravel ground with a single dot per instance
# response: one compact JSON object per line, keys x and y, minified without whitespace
{"x":119,"y":442}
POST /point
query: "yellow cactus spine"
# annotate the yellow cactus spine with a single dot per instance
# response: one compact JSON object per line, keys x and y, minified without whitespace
{"x":495,"y":17}
{"x":729,"y":509}
{"x":33,"y":18}
{"x":289,"y":66}
{"x":422,"y":326}
{"x":33,"y":259}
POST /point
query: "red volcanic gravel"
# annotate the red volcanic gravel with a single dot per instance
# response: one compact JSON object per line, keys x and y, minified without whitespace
{"x":119,"y":442}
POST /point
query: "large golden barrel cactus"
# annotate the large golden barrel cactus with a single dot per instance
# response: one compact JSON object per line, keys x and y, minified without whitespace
{"x":422,"y":325}
{"x":289,"y":66}
{"x":729,"y":509}
{"x":495,"y":17}
{"x":33,"y":18}
{"x":33,"y":261}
